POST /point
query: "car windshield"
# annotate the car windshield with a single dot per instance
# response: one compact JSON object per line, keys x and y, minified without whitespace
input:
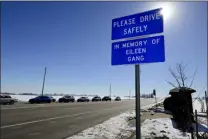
{"x":67,"y":96}
{"x":7,"y":96}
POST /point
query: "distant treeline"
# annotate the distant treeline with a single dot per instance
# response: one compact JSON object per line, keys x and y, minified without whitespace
{"x":6,"y":93}
{"x":147,"y":96}
{"x":130,"y":96}
{"x":27,"y":94}
{"x":55,"y":94}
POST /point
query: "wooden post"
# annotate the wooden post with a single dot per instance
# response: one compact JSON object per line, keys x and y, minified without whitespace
{"x":196,"y":124}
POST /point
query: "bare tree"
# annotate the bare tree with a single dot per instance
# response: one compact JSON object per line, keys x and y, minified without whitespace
{"x":180,"y":76}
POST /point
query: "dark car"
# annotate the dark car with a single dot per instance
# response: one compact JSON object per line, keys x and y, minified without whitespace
{"x":96,"y":98}
{"x":41,"y":99}
{"x":117,"y":99}
{"x":83,"y":99}
{"x":106,"y":98}
{"x":66,"y":99}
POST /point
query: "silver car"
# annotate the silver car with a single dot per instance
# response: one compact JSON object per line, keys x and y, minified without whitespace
{"x":6,"y":99}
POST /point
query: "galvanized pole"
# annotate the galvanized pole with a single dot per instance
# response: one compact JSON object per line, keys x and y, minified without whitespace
{"x":129,"y":94}
{"x":110,"y":90}
{"x":43,"y":81}
{"x":137,"y":92}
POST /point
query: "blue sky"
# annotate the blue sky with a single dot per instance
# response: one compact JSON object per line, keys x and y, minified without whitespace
{"x":73,"y":39}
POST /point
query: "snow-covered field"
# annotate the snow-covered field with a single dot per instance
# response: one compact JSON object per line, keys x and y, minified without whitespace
{"x":25,"y":98}
{"x":197,"y":105}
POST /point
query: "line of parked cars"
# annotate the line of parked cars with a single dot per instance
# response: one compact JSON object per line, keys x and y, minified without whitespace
{"x":68,"y":98}
{"x":6,"y":99}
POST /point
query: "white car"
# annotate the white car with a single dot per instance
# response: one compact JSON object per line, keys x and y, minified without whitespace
{"x":6,"y":99}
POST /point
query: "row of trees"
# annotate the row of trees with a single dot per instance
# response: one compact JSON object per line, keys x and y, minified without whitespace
{"x":147,"y":96}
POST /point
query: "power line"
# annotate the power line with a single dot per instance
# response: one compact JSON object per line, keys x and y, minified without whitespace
{"x":199,"y":93}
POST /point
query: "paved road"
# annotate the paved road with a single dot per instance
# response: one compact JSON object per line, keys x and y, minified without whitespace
{"x":57,"y":121}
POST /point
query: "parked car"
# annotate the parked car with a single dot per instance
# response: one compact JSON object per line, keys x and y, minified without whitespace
{"x":96,"y":98}
{"x":41,"y":99}
{"x":66,"y":99}
{"x":6,"y":99}
{"x":83,"y":99}
{"x":106,"y":98}
{"x":117,"y":99}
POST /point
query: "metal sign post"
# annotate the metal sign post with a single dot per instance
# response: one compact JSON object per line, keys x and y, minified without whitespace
{"x":137,"y":91}
{"x":206,"y":101}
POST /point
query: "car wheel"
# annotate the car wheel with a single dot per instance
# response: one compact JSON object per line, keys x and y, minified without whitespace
{"x":11,"y":102}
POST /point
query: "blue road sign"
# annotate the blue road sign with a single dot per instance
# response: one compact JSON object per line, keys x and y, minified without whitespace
{"x":146,"y":23}
{"x":145,"y":50}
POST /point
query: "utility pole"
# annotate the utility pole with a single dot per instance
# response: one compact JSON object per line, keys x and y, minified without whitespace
{"x":129,"y":94}
{"x":43,"y":81}
{"x":110,"y":90}
{"x":154,"y":94}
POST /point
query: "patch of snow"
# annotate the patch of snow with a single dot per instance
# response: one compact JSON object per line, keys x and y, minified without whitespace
{"x":203,"y":121}
{"x":110,"y":129}
{"x":160,"y":100}
{"x":201,"y":114}
{"x":162,"y":127}
{"x":205,"y":105}
{"x":197,"y":105}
